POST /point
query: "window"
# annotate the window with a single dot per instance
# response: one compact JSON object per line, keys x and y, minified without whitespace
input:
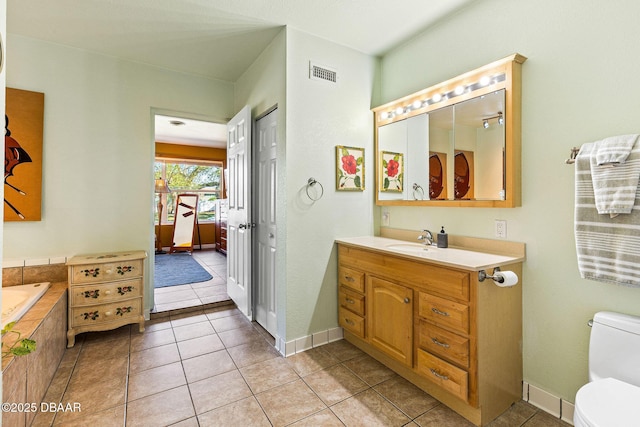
{"x":194,"y":177}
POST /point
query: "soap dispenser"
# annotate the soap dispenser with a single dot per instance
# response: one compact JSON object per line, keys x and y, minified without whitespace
{"x":443,"y":239}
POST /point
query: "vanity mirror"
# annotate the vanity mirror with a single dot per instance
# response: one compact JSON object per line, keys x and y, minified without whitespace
{"x":458,"y":141}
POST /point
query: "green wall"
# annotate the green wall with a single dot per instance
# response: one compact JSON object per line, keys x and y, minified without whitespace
{"x":580,"y":84}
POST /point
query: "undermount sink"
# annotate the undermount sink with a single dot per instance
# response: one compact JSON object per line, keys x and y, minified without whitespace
{"x":409,"y":247}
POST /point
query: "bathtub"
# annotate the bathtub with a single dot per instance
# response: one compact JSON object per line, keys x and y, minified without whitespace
{"x":17,"y":300}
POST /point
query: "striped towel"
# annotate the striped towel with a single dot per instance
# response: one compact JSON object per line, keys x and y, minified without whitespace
{"x":615,"y":149}
{"x":615,"y":175}
{"x":608,"y":248}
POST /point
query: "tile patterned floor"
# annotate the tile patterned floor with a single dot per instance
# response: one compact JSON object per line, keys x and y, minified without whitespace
{"x":196,"y":294}
{"x":200,"y":363}
{"x":212,"y":367}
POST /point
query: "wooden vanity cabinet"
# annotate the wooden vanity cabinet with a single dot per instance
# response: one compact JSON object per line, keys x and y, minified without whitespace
{"x":352,"y":301}
{"x":390,"y":308}
{"x":439,"y":327}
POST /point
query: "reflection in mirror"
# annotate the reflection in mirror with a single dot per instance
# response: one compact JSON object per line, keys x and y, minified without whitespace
{"x":479,"y":145}
{"x":437,"y":175}
{"x":471,"y":132}
{"x":441,"y":144}
{"x":462,"y":176}
{"x":459,"y":140}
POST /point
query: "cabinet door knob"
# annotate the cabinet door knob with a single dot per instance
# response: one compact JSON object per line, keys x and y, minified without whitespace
{"x":107,"y":292}
{"x":349,"y":279}
{"x":108,"y":271}
{"x":407,"y":300}
{"x":349,"y":322}
{"x":350,"y":301}
{"x":107,"y":313}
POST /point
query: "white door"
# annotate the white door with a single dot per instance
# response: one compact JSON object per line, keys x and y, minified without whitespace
{"x":239,"y":213}
{"x":265,"y":218}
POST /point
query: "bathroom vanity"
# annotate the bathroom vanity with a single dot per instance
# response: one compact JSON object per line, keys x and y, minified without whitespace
{"x":423,"y":312}
{"x":105,"y":292}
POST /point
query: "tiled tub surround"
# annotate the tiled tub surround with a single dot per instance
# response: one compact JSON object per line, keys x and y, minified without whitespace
{"x":26,"y":378}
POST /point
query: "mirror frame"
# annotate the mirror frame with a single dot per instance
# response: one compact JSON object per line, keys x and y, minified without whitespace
{"x":405,"y":107}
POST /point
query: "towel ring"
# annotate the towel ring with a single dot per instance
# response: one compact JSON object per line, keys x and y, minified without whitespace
{"x":310,"y":183}
{"x":419,"y":190}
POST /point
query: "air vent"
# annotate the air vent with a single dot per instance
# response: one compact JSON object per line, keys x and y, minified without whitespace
{"x":320,"y":72}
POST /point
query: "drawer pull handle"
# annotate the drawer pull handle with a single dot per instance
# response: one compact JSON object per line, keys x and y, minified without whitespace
{"x":107,"y":292}
{"x":107,"y":313}
{"x":439,"y":375}
{"x":350,"y":301}
{"x":438,"y":312}
{"x":349,"y":279}
{"x":441,"y":344}
{"x":407,"y":300}
{"x":349,"y":322}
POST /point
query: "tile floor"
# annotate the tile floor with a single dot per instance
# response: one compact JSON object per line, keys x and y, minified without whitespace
{"x":212,"y":367}
{"x":196,"y":294}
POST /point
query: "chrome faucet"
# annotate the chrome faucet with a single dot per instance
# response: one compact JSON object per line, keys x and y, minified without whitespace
{"x":426,"y":237}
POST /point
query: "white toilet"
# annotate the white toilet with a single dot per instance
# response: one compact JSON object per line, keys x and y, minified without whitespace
{"x":612,"y":396}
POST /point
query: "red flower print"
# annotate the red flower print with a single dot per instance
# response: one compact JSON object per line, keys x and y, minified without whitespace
{"x":349,"y":164}
{"x":392,"y":168}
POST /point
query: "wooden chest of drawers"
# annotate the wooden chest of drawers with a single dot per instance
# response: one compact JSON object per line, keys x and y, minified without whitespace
{"x":106,"y":291}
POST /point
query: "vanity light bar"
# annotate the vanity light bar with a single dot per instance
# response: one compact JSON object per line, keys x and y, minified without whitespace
{"x":439,"y":97}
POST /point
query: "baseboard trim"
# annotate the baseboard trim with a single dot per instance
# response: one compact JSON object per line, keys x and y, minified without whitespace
{"x":289,"y":348}
{"x":549,"y":403}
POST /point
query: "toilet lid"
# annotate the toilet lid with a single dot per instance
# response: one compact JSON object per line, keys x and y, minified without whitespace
{"x":608,"y":402}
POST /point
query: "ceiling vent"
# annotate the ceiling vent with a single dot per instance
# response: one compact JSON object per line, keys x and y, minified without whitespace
{"x":320,"y":72}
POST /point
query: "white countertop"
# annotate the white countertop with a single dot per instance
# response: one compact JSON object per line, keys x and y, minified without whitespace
{"x":450,"y":257}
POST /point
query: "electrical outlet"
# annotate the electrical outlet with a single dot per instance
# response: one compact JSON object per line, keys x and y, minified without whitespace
{"x":385,"y":217}
{"x":501,"y":228}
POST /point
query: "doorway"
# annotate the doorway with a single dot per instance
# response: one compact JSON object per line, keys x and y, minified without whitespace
{"x":190,"y":157}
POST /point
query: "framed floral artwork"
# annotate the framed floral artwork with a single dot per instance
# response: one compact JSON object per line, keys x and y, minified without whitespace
{"x":349,"y":168}
{"x":391,"y":171}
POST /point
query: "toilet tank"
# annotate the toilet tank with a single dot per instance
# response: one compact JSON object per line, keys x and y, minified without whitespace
{"x":614,"y":347}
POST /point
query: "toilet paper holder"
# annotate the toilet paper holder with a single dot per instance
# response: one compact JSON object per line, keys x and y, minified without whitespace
{"x":483,"y":275}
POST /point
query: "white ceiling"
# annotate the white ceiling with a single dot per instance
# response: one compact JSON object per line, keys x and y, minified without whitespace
{"x":218,"y":39}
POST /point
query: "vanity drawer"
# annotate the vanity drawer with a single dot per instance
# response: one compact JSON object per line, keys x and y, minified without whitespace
{"x":445,"y":344}
{"x":352,"y":322}
{"x":97,"y":273}
{"x":443,"y":312}
{"x":353,"y":279}
{"x":105,"y":292}
{"x":447,"y":376}
{"x":103,"y":313}
{"x":352,"y":301}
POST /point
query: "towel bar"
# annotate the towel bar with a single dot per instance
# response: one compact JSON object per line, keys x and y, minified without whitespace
{"x":572,"y":157}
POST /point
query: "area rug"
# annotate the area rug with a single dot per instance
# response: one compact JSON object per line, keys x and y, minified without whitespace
{"x":178,"y":269}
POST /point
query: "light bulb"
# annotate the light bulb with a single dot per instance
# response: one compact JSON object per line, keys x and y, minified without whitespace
{"x":500,"y":119}
{"x":485,"y":80}
{"x":399,"y":110}
{"x":436,"y":98}
{"x":485,"y":123}
{"x":459,"y":90}
{"x":416,"y":104}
